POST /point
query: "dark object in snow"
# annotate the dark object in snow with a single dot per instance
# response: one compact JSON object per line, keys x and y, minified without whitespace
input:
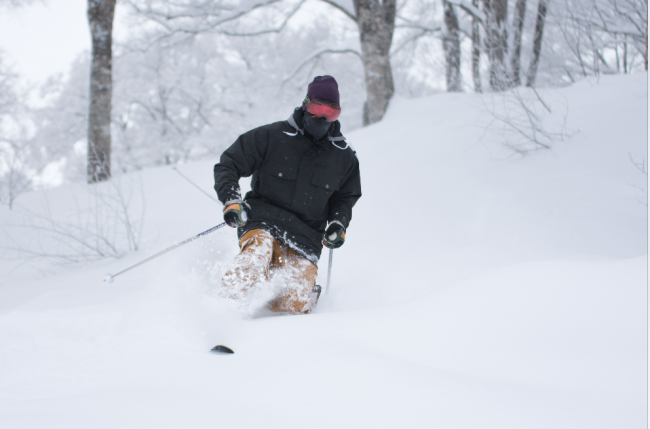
{"x":222,"y":350}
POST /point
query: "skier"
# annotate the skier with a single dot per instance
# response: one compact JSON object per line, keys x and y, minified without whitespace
{"x":304,"y":185}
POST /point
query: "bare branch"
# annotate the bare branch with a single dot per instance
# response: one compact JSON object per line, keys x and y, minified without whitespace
{"x":211,"y":18}
{"x":416,"y":25}
{"x":318,"y":55}
{"x":412,"y":39}
{"x":99,"y":228}
{"x":341,"y":8}
{"x":275,"y":30}
{"x":469,"y":9}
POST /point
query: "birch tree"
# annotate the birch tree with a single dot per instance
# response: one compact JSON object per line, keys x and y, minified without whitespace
{"x":518,"y":25}
{"x":451,"y":46}
{"x":100,"y":20}
{"x":476,"y":49}
{"x":496,"y":14}
{"x":376,"y":22}
{"x":537,"y":41}
{"x":15,"y":176}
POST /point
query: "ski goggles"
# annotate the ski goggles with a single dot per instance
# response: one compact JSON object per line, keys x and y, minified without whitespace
{"x":322,"y":109}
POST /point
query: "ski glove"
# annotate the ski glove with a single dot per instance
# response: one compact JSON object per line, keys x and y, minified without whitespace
{"x":235,"y":213}
{"x":334,"y":235}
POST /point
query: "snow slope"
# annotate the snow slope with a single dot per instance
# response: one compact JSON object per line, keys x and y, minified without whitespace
{"x":474,"y":291}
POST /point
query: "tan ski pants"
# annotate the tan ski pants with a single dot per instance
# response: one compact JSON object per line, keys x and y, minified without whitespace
{"x":260,"y":257}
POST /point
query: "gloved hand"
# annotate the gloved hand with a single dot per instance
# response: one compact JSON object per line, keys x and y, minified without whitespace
{"x":334,"y":236}
{"x":235,"y":213}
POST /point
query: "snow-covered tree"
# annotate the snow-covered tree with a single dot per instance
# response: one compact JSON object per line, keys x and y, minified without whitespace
{"x":15,"y":173}
{"x":17,"y":3}
{"x":100,"y":20}
{"x":451,"y":46}
{"x":376,"y":24}
{"x":374,"y":20}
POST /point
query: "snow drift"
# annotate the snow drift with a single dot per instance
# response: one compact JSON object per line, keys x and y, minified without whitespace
{"x":474,"y":290}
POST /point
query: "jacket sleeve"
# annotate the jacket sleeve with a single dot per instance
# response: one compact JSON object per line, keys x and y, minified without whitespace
{"x":342,"y":201}
{"x":242,"y":159}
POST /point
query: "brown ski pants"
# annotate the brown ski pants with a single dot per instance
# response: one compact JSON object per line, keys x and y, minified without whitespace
{"x":260,"y":258}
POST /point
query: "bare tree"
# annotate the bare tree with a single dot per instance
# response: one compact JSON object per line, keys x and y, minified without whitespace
{"x":15,"y":152}
{"x":102,"y":221}
{"x":479,"y":19}
{"x":451,"y":46}
{"x":537,"y":41}
{"x":627,"y":19}
{"x":375,"y":20}
{"x":100,"y":20}
{"x":590,"y":37}
{"x":524,"y":122}
{"x":16,"y":3}
{"x":476,"y":49}
{"x":642,"y":167}
{"x":496,"y":12}
{"x":518,"y":24}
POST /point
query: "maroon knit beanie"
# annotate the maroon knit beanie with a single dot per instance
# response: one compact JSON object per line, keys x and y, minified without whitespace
{"x":323,"y":88}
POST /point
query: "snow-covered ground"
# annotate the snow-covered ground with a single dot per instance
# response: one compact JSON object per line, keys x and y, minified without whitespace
{"x":474,"y":290}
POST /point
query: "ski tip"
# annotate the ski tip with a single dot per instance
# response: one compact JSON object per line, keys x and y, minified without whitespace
{"x":108,"y":278}
{"x":222,"y":349}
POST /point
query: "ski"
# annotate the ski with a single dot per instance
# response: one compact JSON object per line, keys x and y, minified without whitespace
{"x":221,"y":349}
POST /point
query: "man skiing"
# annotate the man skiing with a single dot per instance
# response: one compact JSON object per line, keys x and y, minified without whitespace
{"x":304,"y":185}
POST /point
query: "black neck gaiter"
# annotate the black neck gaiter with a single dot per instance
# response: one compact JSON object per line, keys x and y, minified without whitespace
{"x":317,"y":128}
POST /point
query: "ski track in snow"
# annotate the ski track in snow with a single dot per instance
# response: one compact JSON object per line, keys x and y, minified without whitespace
{"x":475,"y":290}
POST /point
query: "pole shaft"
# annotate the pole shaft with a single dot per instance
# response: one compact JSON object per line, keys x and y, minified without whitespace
{"x":195,"y":185}
{"x":172,"y":248}
{"x":329,"y":271}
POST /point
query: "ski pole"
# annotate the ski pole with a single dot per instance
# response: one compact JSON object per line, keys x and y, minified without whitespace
{"x":329,"y":272}
{"x":109,"y":277}
{"x":194,"y":184}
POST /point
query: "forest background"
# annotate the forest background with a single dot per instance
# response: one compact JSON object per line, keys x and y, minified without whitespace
{"x":187,"y":76}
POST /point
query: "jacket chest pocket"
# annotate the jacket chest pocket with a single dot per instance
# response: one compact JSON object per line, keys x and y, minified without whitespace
{"x":278,"y":183}
{"x":313,"y":200}
{"x":325,"y":178}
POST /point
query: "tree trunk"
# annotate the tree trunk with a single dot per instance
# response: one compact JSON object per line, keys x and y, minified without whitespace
{"x":451,"y":46}
{"x":376,"y":22}
{"x":100,"y":20}
{"x":476,"y":51}
{"x":518,"y":24}
{"x":537,"y":42}
{"x":496,"y":12}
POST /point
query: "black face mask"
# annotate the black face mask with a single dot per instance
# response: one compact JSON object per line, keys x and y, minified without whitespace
{"x":317,"y":128}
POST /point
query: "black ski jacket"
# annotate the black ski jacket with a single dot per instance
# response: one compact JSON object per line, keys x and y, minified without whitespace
{"x":298,"y":184}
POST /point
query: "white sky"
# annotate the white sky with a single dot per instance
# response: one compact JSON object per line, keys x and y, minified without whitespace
{"x":44,"y":38}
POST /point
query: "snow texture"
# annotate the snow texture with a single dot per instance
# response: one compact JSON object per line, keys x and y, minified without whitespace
{"x":515,"y":297}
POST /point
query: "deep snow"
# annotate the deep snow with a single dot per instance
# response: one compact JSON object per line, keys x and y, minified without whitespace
{"x":474,"y":290}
